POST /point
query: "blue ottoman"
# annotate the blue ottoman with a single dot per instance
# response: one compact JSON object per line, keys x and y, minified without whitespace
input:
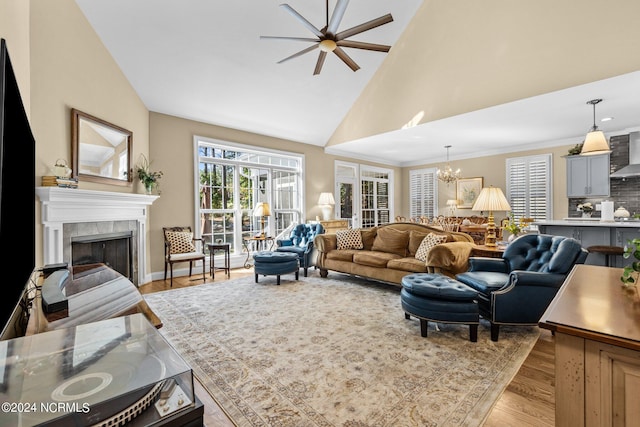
{"x":275,"y":263}
{"x":440,"y":299}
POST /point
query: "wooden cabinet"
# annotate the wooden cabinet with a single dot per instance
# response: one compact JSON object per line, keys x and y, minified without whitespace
{"x":333,"y":225}
{"x":597,"y":341}
{"x":588,"y":176}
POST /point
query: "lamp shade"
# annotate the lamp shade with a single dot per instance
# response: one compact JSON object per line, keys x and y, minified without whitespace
{"x":491,"y":199}
{"x":595,"y":143}
{"x":326,"y":199}
{"x":452,"y":202}
{"x":262,"y":209}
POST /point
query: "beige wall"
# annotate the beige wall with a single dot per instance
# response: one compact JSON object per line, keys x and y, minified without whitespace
{"x":493,"y":171}
{"x":458,"y":56}
{"x":172,"y":153}
{"x":14,"y":28}
{"x":71,"y":68}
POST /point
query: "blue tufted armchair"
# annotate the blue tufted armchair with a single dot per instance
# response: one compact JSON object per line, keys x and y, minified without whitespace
{"x":300,"y":242}
{"x":518,"y":288}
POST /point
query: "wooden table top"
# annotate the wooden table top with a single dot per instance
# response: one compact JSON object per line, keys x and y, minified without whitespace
{"x":593,"y":304}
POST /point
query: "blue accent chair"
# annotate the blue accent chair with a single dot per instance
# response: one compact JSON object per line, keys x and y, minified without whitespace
{"x":300,"y":242}
{"x":518,"y":288}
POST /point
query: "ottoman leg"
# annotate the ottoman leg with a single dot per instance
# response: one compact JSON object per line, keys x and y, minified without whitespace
{"x":473,"y":333}
{"x":407,"y":316}
{"x":278,"y":282}
{"x":423,"y":327}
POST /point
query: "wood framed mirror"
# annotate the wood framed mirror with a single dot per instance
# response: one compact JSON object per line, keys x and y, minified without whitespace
{"x":100,"y":151}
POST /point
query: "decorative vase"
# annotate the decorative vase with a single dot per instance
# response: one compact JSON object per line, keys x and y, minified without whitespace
{"x":586,"y":214}
{"x":148,"y":187}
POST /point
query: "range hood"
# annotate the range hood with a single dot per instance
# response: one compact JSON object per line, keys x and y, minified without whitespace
{"x":633,"y":169}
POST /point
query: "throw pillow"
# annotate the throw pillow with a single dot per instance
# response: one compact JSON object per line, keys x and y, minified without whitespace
{"x":391,"y":241}
{"x":368,"y":236}
{"x":181,"y":242}
{"x":415,"y":238}
{"x":427,"y":243}
{"x":349,"y":239}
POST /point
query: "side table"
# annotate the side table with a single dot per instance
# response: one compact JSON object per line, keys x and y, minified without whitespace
{"x":213,"y":247}
{"x":487,"y":251}
{"x":256,"y":243}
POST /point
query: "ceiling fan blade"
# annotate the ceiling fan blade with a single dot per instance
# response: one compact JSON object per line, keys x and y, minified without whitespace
{"x":302,"y":20}
{"x":336,"y":17}
{"x":320,"y":62}
{"x":363,"y":45}
{"x":302,"y":52}
{"x":364,"y":27}
{"x":346,"y":58}
{"x":300,"y":39}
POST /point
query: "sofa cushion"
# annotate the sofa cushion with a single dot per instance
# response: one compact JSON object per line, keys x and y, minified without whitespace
{"x":415,"y":238}
{"x":342,"y":255}
{"x":373,"y":258}
{"x":391,"y":241}
{"x":368,"y":236}
{"x":427,"y":243}
{"x":349,"y":239}
{"x":409,"y":264}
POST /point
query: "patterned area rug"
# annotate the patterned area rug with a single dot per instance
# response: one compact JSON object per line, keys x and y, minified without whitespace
{"x":334,"y":352}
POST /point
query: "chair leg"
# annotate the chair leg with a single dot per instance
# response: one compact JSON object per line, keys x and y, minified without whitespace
{"x":407,"y":316}
{"x":190,"y":267}
{"x":298,"y":275}
{"x":171,"y":267}
{"x":204,"y":277}
{"x":473,"y":333}
{"x":165,"y":270}
{"x":305,"y":271}
{"x":256,"y":278}
{"x":495,"y":330}
{"x":423,"y":327}
{"x":278,"y":282}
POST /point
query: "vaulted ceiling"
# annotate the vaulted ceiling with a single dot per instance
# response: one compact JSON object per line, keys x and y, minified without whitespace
{"x":204,"y":60}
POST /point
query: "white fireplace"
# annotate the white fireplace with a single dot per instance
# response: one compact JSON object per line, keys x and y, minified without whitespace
{"x":91,"y":209}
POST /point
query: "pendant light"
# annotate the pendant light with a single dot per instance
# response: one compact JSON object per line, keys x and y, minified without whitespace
{"x":448,"y":175}
{"x":595,"y":142}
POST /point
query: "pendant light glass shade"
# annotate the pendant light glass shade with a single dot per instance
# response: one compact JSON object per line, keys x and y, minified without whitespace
{"x":595,"y":142}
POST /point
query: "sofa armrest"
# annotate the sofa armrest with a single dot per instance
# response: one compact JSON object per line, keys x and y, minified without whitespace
{"x":449,"y":258}
{"x":326,"y":242}
{"x":497,"y":265}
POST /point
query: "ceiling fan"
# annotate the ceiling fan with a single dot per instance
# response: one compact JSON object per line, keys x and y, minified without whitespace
{"x":330,"y":40}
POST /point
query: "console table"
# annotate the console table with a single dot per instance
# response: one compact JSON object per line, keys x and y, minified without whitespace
{"x":597,"y":342}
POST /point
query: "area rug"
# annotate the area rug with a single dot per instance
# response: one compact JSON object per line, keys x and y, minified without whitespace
{"x":334,"y":352}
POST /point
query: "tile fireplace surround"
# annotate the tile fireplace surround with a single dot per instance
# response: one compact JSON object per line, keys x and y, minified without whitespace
{"x":62,"y":206}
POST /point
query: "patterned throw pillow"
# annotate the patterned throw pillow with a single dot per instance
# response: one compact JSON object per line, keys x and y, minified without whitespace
{"x":181,"y":242}
{"x":427,"y":243}
{"x":349,"y":239}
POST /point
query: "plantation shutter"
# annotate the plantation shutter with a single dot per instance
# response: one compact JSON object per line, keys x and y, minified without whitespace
{"x":423,"y":193}
{"x":529,"y":186}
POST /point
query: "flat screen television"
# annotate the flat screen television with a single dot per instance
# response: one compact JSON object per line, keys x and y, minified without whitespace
{"x":17,"y":200}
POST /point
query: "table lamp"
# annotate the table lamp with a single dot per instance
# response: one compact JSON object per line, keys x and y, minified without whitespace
{"x":491,"y":199}
{"x":262,"y":210}
{"x":453,"y":205}
{"x":326,"y":201}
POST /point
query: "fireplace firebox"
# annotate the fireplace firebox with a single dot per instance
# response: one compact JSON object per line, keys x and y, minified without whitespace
{"x":112,"y":249}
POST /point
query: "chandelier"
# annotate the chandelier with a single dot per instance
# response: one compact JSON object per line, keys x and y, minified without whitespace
{"x":448,"y":175}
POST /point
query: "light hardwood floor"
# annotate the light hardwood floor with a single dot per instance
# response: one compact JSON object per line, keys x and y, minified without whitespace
{"x":529,"y":400}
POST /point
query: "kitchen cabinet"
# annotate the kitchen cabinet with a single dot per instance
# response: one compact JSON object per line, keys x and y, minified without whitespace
{"x":588,"y":176}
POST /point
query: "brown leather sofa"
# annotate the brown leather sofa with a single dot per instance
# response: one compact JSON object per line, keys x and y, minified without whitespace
{"x":388,"y":253}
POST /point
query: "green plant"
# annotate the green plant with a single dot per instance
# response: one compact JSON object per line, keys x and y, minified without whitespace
{"x":585,"y":207}
{"x":512,"y":226}
{"x":632,"y":271}
{"x":146,"y":176}
{"x":577,"y":149}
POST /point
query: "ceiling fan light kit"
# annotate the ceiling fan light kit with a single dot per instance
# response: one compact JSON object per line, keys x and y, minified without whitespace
{"x":328,"y":39}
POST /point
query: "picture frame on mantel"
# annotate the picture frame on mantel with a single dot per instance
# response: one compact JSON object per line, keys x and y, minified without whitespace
{"x":467,"y":191}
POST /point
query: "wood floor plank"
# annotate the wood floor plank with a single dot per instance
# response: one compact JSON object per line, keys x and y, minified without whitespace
{"x":529,"y":400}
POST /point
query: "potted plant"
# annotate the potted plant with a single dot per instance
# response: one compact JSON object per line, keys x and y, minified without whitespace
{"x":512,"y":227}
{"x":148,"y":178}
{"x":631,"y":272}
{"x":586,"y":209}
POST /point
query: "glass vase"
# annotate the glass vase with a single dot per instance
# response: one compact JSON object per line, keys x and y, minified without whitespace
{"x":148,"y":187}
{"x":586,"y":214}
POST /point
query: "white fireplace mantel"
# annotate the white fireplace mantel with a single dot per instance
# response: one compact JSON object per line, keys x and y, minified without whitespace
{"x":70,"y":205}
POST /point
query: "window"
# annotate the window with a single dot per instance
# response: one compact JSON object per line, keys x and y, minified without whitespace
{"x":363,"y":194}
{"x":423,"y":193}
{"x":529,"y":186}
{"x":231,"y":179}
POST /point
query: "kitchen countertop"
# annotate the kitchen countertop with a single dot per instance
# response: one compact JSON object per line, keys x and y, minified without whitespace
{"x":588,"y":222}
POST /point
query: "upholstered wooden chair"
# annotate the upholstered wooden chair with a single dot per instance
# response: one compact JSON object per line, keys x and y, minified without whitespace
{"x":181,"y":246}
